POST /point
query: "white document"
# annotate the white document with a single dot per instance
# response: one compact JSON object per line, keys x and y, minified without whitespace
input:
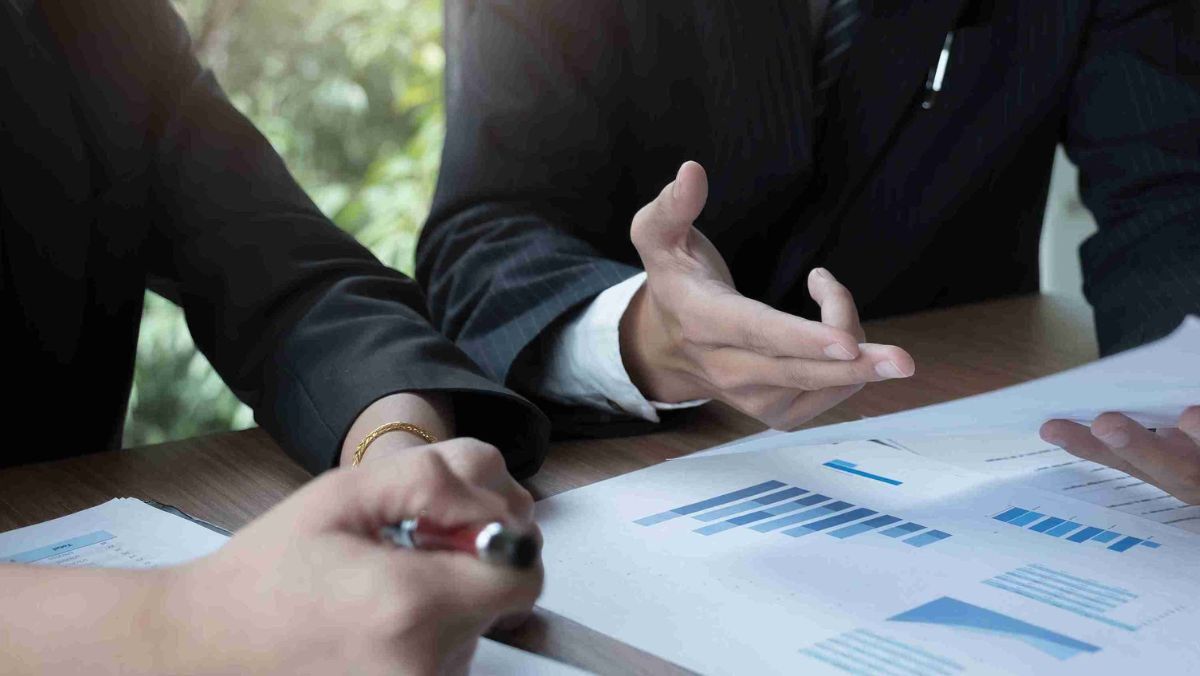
{"x":862,"y":558}
{"x":128,"y":533}
{"x":1152,"y":384}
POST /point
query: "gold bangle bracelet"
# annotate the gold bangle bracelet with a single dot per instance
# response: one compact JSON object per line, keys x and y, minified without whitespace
{"x":384,"y":429}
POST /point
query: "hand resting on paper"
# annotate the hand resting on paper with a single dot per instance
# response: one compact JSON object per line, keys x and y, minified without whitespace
{"x":1167,"y":458}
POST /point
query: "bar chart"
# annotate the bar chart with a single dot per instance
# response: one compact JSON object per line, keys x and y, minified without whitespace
{"x":951,"y":612}
{"x":847,"y":467}
{"x":775,"y":507}
{"x":863,"y":651}
{"x":1070,"y":531}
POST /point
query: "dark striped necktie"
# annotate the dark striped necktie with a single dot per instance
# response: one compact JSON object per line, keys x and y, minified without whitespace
{"x":841,"y":23}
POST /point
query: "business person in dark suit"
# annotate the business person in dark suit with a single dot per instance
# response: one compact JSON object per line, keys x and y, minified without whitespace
{"x":904,"y":146}
{"x":122,"y":162}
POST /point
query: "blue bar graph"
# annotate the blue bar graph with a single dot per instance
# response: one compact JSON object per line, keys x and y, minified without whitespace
{"x":1081,"y":596}
{"x":807,"y":515}
{"x":864,"y":526}
{"x":777,"y":510}
{"x":1046,"y":524}
{"x":1059,"y":531}
{"x":824,"y":524}
{"x":951,"y":612}
{"x":851,"y":468}
{"x":761,"y":501}
{"x":710,"y":503}
{"x":1077,"y":533}
{"x":903,"y":529}
{"x":1026,"y":519}
{"x":774,"y":506}
{"x":1086,"y":534}
{"x":926,"y":538}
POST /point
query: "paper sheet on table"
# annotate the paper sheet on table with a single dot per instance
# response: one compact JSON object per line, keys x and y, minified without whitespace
{"x":1153,"y":384}
{"x":862,"y":558}
{"x":128,"y":533}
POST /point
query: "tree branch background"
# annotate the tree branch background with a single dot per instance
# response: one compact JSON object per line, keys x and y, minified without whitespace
{"x":350,"y":93}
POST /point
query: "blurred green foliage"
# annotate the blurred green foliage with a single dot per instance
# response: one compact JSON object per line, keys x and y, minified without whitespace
{"x":350,"y":93}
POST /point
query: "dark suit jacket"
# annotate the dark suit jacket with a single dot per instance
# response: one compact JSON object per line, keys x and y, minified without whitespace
{"x":122,"y":161}
{"x":565,"y":117}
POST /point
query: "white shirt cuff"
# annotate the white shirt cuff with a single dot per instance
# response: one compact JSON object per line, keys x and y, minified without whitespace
{"x":584,"y":366}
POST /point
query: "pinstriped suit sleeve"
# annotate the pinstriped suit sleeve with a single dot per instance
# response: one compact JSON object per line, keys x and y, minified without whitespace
{"x":527,"y":142}
{"x":1133,"y":127}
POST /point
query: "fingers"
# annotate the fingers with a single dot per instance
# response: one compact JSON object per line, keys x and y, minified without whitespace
{"x":482,"y":465}
{"x":732,"y":368}
{"x":420,"y":483}
{"x":1077,"y":440}
{"x":463,"y":585}
{"x":664,"y":224}
{"x":732,"y":320}
{"x":1170,"y":460}
{"x":836,"y":302}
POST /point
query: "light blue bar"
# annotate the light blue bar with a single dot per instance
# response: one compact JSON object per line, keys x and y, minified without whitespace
{"x":869,"y":524}
{"x":926,"y":538}
{"x":777,"y":510}
{"x":709,"y":503}
{"x":1026,"y":519}
{"x":1059,"y":531}
{"x":1046,"y":524}
{"x":806,"y":515}
{"x":58,"y":548}
{"x":832,"y":521}
{"x":761,"y":501}
{"x":903,"y":529}
{"x":714,"y":528}
{"x":1107,"y":536}
{"x":1125,"y":544}
{"x":1031,"y":594}
{"x":1086,"y":534}
{"x":1010,"y":514}
{"x":848,"y":468}
{"x":1151,"y":544}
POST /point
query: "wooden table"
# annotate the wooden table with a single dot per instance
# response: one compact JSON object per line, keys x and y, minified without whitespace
{"x":231,"y":478}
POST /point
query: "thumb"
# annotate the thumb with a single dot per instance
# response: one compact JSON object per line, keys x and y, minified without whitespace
{"x":664,"y":224}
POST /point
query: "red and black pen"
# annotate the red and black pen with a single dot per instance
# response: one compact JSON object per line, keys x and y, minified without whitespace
{"x":491,"y":542}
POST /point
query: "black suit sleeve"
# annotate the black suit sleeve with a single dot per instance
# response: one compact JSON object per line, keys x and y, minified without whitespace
{"x":302,"y":322}
{"x":531,"y":176}
{"x":1134,"y":130}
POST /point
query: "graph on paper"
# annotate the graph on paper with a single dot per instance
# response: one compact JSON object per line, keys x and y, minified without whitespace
{"x":775,"y":507}
{"x":1071,"y":531}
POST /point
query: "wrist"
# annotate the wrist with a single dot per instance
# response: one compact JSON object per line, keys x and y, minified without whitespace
{"x":171,"y":622}
{"x":648,"y":355}
{"x":431,"y":412}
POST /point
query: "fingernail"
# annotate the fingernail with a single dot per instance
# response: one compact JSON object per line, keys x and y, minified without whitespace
{"x":888,"y":369}
{"x":822,"y":273}
{"x":839,"y":352}
{"x":675,"y":189}
{"x":1117,"y":438}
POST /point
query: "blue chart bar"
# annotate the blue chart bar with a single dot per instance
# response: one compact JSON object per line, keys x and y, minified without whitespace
{"x":807,"y":501}
{"x":832,"y":521}
{"x":774,"y":506}
{"x":903,"y":529}
{"x":708,"y":504}
{"x":1086,"y":534}
{"x":849,"y":468}
{"x":1074,"y":594}
{"x":1076,"y":532}
{"x":807,"y":515}
{"x":954,"y":613}
{"x":58,"y":548}
{"x":1026,"y":519}
{"x":867,"y":652}
{"x":1059,"y":531}
{"x":761,"y":501}
{"x":1046,"y":524}
{"x":1125,"y":544}
{"x":869,"y":524}
{"x":926,"y":538}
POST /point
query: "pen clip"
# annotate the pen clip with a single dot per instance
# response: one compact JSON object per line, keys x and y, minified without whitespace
{"x":937,"y":74}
